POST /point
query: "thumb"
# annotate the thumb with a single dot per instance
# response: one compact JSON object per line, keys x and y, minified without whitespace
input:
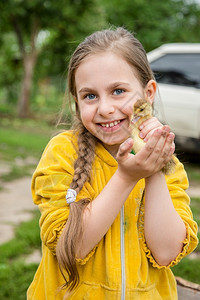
{"x":124,"y":149}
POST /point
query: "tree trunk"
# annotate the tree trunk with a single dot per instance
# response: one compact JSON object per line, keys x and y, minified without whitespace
{"x":29,"y":60}
{"x":24,"y":99}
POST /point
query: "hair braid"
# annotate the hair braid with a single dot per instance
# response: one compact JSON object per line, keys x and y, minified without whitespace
{"x":70,"y":240}
{"x":83,"y":164}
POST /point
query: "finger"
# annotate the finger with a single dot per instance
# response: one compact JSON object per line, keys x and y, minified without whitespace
{"x":167,"y":151}
{"x":148,"y":126}
{"x":158,"y":149}
{"x":150,"y":145}
{"x":124,"y":149}
{"x":170,"y":140}
{"x":172,"y":150}
{"x":156,"y":144}
{"x":163,"y":127}
{"x":148,"y":121}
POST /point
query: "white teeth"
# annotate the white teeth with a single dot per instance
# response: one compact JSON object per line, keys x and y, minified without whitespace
{"x":110,"y":124}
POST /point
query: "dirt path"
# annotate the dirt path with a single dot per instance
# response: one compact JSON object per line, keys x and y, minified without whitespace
{"x":16,"y":205}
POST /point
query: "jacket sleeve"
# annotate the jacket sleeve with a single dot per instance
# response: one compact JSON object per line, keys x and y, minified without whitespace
{"x":178,"y":184}
{"x":50,"y":182}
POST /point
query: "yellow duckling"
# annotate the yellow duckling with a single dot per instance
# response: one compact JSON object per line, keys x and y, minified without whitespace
{"x":142,"y":110}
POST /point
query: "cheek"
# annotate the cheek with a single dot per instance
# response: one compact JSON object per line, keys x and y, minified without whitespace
{"x":84,"y":117}
{"x":87,"y":115}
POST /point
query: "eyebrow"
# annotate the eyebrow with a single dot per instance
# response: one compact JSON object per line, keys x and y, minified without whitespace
{"x":85,"y":90}
{"x":110,"y":87}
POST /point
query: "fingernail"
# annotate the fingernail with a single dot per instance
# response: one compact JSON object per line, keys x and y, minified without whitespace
{"x":170,"y":137}
{"x":141,"y":135}
{"x":141,"y":127}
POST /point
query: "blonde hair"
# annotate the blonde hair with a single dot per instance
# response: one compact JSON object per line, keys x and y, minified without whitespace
{"x":123,"y":43}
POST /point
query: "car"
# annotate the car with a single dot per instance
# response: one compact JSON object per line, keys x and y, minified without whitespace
{"x":176,"y":68}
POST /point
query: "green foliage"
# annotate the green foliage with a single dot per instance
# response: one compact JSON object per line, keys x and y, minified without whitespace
{"x":43,"y":30}
{"x":10,"y":65}
{"x":50,"y":30}
{"x":156,"y":22}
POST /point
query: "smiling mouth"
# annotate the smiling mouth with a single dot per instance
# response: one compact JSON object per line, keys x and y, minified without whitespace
{"x":110,"y":125}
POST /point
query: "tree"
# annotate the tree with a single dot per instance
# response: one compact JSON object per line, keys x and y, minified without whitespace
{"x":38,"y":23}
{"x":156,"y":22}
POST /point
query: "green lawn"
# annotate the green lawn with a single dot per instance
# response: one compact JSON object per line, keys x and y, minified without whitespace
{"x":15,"y":274}
{"x":189,"y":268}
{"x":22,"y":138}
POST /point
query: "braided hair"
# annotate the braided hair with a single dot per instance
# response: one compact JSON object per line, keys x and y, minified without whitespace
{"x":70,"y":240}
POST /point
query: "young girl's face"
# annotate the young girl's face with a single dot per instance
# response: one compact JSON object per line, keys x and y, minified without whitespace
{"x":107,"y":88}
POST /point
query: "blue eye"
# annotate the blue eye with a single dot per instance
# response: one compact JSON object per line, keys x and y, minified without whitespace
{"x":118,"y":91}
{"x":90,"y":96}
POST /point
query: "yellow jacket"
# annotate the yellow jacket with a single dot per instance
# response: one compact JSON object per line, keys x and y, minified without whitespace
{"x":121,"y":265}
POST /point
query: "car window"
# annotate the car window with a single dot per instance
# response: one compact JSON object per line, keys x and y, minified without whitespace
{"x":180,"y":69}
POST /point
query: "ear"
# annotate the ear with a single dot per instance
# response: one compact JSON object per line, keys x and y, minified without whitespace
{"x":150,"y":90}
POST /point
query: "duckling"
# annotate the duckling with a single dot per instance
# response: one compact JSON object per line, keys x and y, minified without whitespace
{"x":142,"y":110}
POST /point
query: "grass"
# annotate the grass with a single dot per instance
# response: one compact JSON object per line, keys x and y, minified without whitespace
{"x":195,"y":205}
{"x":193,"y":172}
{"x":188,"y":268}
{"x":15,"y":274}
{"x":22,"y":138}
{"x":19,"y":141}
{"x":17,"y":172}
{"x":27,"y":237}
{"x":15,"y":279}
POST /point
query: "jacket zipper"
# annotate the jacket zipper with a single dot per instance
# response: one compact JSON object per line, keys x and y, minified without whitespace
{"x":123,"y":275}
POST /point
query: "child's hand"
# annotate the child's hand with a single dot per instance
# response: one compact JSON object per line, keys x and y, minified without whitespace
{"x":148,"y":127}
{"x":150,"y":159}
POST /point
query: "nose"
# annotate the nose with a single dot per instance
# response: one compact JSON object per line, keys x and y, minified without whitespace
{"x":106,"y":106}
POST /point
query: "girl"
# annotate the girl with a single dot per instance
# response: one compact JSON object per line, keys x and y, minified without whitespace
{"x":112,"y":224}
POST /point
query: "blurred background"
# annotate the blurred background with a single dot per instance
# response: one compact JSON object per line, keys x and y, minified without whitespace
{"x":36,"y":41}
